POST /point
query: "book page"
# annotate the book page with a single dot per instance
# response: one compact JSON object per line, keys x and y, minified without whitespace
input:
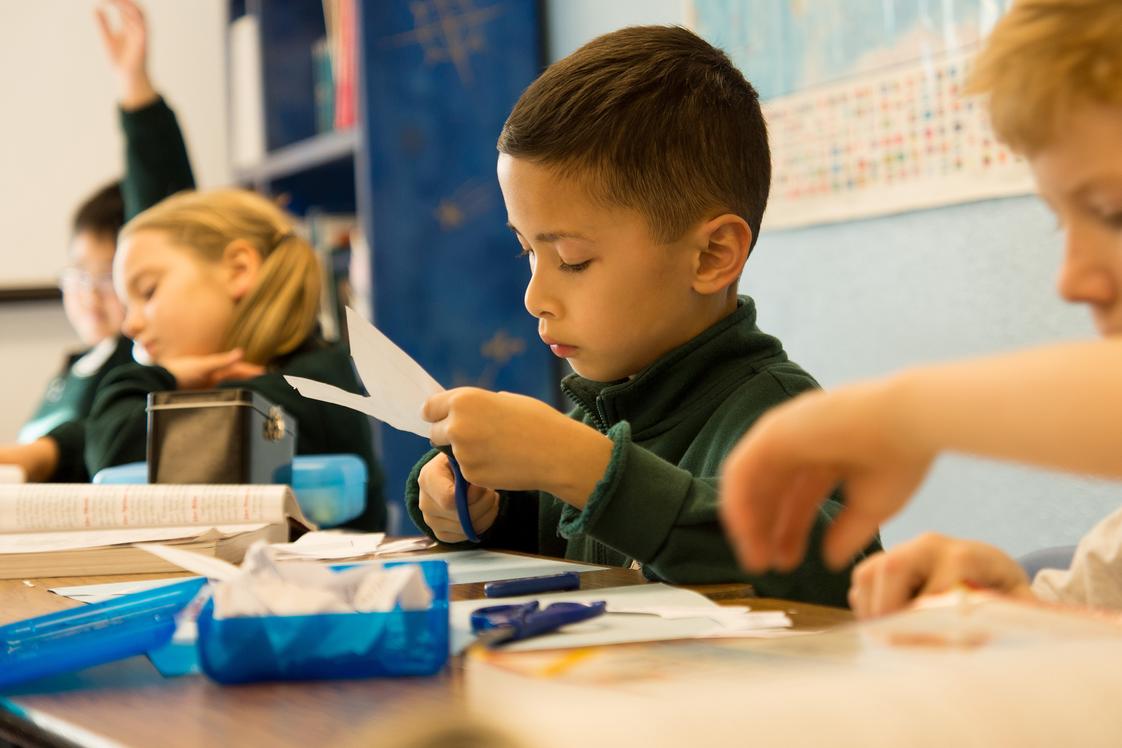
{"x":49,"y":507}
{"x":42,"y":542}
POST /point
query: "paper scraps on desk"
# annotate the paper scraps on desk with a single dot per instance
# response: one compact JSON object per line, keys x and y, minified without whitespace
{"x":264,"y":587}
{"x":397,"y":384}
{"x":733,"y":618}
{"x":464,"y":567}
{"x":330,"y":544}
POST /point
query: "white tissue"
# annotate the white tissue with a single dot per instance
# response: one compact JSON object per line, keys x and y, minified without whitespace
{"x":264,"y":587}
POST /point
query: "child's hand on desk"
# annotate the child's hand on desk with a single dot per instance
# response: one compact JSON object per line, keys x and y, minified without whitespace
{"x":204,"y":372}
{"x":929,"y":565}
{"x":438,"y":502}
{"x":508,"y":441}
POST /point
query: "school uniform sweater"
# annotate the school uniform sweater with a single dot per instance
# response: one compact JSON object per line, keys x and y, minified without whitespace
{"x":671,"y":427}
{"x":66,"y":404}
{"x":156,"y":166}
{"x":118,"y":425}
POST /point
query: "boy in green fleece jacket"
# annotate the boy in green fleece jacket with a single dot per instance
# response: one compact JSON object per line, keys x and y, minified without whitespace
{"x":635,"y":173}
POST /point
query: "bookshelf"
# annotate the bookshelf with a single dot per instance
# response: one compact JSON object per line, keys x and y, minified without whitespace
{"x":434,"y":81}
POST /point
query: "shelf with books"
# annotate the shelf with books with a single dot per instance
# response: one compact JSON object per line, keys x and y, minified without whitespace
{"x":314,"y":152}
{"x":427,"y":91}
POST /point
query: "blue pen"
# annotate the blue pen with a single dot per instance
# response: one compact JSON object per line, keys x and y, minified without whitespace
{"x":569,"y":580}
{"x":461,"y":485}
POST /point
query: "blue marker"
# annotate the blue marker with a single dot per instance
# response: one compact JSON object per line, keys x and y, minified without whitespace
{"x":570,"y":580}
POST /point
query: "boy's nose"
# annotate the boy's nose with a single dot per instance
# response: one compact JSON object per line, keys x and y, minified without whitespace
{"x":1086,"y":276}
{"x":538,"y":300}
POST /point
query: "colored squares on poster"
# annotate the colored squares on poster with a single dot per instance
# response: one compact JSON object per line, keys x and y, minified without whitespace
{"x":892,"y":136}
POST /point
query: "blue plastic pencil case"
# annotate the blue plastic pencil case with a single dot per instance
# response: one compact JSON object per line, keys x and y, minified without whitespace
{"x":330,"y":645}
{"x":92,"y":634}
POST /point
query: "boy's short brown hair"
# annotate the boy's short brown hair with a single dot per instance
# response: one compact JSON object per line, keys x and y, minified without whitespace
{"x":1043,"y":58}
{"x":654,"y":118}
{"x":102,"y":214}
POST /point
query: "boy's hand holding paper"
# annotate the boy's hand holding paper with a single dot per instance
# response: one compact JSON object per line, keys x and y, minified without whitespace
{"x":501,"y":440}
{"x":514,"y":442}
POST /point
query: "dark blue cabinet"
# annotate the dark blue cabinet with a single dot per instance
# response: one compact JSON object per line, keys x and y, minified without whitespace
{"x":436,"y":80}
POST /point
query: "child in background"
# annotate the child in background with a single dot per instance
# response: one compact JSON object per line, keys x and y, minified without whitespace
{"x":1053,"y":73}
{"x":220,"y":292}
{"x":635,"y":173}
{"x":52,"y":442}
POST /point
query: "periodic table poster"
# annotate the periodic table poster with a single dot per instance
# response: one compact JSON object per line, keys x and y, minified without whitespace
{"x":864,"y":103}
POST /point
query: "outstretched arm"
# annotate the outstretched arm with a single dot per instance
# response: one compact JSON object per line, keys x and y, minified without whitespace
{"x":1057,"y":406}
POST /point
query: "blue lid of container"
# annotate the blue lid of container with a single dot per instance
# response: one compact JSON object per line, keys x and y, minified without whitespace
{"x":311,"y":471}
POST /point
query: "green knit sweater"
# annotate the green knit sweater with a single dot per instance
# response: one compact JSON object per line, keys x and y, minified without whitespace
{"x":671,"y":426}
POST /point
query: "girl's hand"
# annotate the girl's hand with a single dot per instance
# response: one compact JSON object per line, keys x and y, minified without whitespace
{"x":204,"y":372}
{"x":127,"y":49}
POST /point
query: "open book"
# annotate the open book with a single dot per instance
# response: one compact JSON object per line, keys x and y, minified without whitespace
{"x":82,"y":530}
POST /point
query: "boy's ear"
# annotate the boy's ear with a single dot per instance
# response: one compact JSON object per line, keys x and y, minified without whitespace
{"x":724,"y":243}
{"x":241,"y":265}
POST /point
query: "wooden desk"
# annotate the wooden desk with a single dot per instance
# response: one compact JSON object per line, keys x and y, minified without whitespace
{"x":130,"y":703}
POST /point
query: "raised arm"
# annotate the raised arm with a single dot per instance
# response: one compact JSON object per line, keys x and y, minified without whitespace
{"x":156,"y":161}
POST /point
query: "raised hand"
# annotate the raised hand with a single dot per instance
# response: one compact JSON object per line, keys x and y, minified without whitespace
{"x":126,"y":46}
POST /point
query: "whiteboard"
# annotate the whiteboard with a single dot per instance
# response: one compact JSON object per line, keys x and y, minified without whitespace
{"x":60,"y":138}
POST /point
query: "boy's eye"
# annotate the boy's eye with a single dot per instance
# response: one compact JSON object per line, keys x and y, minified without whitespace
{"x":567,"y":268}
{"x":1114,"y":220}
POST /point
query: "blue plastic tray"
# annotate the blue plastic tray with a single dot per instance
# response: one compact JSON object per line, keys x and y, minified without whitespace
{"x":331,"y":645}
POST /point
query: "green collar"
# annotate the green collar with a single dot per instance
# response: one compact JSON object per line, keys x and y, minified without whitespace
{"x":693,"y":374}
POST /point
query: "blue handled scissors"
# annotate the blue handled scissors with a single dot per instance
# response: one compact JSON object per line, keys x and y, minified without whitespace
{"x":501,"y":624}
{"x":461,"y":495}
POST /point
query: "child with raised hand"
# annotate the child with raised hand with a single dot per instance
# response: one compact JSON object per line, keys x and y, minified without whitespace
{"x":220,"y":292}
{"x":52,"y":442}
{"x":635,"y":174}
{"x":1052,"y":71}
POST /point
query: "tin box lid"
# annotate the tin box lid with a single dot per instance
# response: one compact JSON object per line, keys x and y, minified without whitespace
{"x":232,"y":396}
